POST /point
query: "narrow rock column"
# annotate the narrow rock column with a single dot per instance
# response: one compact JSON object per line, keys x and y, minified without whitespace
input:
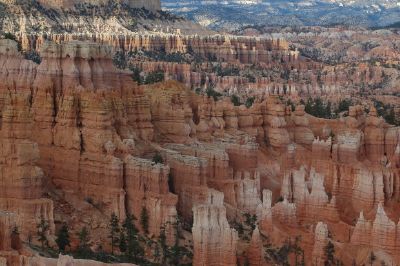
{"x":213,"y":239}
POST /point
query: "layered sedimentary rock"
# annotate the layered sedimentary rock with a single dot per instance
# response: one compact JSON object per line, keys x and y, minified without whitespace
{"x":302,"y":133}
{"x":74,"y":126}
{"x":311,"y":206}
{"x":146,"y":186}
{"x":7,"y":225}
{"x":381,"y":233}
{"x":320,"y":242}
{"x":213,"y":239}
{"x":275,"y":132}
{"x":264,"y":211}
{"x":22,"y":180}
{"x":225,"y":48}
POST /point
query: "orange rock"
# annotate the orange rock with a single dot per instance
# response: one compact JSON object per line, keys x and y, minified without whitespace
{"x":214,"y":241}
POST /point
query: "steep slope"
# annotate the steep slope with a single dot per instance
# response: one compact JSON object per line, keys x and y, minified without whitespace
{"x":88,"y":17}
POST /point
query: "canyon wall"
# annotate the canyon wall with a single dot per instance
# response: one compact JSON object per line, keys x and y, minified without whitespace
{"x":75,"y":125}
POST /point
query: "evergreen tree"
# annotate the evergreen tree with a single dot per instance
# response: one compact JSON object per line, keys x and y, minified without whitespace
{"x":163,"y":244}
{"x":114,"y":230}
{"x":133,"y":248}
{"x":84,"y":238}
{"x":136,"y":75}
{"x":330,"y":254}
{"x":122,"y":242}
{"x":309,"y":106}
{"x":63,"y":238}
{"x":175,"y":252}
{"x":328,"y":110}
{"x":249,"y":102}
{"x":235,"y":100}
{"x":144,"y":220}
{"x":42,"y":230}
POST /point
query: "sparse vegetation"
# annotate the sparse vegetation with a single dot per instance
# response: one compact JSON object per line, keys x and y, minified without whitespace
{"x":119,"y":60}
{"x":157,"y":159}
{"x":387,"y":112}
{"x":33,"y":56}
{"x":154,"y":77}
{"x":235,"y":100}
{"x":42,"y":232}
{"x":212,"y":93}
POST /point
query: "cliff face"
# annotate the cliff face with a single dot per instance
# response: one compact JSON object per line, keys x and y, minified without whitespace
{"x":96,"y":17}
{"x":153,"y":5}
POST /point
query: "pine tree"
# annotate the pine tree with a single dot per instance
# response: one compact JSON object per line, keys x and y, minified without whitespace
{"x":144,"y":220}
{"x":163,"y":244}
{"x":122,"y":242}
{"x":63,"y":238}
{"x":133,"y":248}
{"x":84,"y":238}
{"x":330,"y":254}
{"x":42,"y":230}
{"x":114,"y":230}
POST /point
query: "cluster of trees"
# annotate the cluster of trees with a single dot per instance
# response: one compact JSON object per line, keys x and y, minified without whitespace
{"x":119,"y":60}
{"x":211,"y":92}
{"x":280,"y":255}
{"x":330,"y":259}
{"x":236,"y":101}
{"x":176,"y":57}
{"x":246,"y":228}
{"x":149,"y":78}
{"x":172,"y":255}
{"x":126,"y":242}
{"x":387,"y":112}
{"x":318,"y":108}
{"x":230,"y":70}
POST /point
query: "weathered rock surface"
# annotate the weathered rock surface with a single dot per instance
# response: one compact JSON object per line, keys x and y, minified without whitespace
{"x":214,"y":241}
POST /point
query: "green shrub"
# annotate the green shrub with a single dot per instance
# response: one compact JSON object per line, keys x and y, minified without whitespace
{"x":235,"y":100}
{"x":154,"y":77}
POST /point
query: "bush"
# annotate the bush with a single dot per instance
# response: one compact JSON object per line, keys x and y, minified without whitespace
{"x":154,"y":77}
{"x":249,"y":102}
{"x":42,"y":232}
{"x":33,"y":56}
{"x":212,"y":93}
{"x":235,"y":100}
{"x":157,"y":159}
{"x":119,"y":60}
{"x":136,"y":75}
